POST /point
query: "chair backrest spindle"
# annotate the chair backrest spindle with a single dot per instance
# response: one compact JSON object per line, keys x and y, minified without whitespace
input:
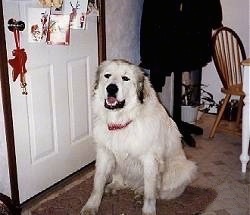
{"x":228,"y":52}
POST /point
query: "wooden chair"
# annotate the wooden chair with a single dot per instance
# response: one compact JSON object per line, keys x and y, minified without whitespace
{"x":228,"y":53}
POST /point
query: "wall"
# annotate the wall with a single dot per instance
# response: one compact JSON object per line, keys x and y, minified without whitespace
{"x":123,"y":18}
{"x":235,"y":16}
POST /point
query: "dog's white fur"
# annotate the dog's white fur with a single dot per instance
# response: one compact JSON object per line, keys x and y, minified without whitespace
{"x":146,"y":155}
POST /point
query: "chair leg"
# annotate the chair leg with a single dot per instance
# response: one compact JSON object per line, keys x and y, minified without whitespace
{"x":218,"y":118}
{"x":239,"y":112}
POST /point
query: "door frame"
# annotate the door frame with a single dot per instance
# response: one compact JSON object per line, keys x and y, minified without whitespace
{"x":13,"y":202}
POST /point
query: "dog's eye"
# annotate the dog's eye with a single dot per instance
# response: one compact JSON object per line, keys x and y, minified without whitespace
{"x":125,"y":78}
{"x":107,"y":75}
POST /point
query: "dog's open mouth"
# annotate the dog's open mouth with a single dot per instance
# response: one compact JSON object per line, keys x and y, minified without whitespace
{"x":112,"y":103}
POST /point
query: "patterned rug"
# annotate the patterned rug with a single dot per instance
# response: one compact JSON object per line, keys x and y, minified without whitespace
{"x":192,"y":202}
{"x":3,"y":209}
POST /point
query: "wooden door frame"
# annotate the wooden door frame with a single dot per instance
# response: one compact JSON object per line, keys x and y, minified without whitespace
{"x":13,"y":202}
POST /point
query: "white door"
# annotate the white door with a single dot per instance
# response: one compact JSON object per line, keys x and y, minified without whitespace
{"x":52,"y":124}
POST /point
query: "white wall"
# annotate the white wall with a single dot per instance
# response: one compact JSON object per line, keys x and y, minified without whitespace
{"x":123,"y":18}
{"x":235,"y":16}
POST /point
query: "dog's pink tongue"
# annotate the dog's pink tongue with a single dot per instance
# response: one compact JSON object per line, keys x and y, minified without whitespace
{"x":111,"y":100}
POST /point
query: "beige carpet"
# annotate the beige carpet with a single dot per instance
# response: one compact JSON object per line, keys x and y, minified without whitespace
{"x":192,"y":202}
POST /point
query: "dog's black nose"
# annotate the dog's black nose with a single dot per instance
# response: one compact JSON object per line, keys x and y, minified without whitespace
{"x":112,"y":89}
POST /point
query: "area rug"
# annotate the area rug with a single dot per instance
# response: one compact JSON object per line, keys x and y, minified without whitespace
{"x":3,"y":209}
{"x":192,"y":202}
{"x":5,"y":205}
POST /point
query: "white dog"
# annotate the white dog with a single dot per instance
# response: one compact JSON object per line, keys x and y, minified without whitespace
{"x":138,"y":144}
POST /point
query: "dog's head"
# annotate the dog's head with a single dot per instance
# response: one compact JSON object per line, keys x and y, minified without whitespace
{"x":119,"y":84}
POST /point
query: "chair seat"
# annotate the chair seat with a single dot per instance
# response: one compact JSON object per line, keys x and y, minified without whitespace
{"x":233,"y":90}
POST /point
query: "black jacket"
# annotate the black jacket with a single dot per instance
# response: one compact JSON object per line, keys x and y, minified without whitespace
{"x":176,"y":35}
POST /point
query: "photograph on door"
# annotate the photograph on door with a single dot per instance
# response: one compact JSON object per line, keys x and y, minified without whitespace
{"x":52,"y":23}
{"x":38,"y":19}
{"x":59,"y":29}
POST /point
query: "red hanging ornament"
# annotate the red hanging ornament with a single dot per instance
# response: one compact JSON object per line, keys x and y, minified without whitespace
{"x":18,"y":62}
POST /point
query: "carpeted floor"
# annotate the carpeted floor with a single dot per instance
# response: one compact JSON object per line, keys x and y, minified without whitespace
{"x":192,"y":202}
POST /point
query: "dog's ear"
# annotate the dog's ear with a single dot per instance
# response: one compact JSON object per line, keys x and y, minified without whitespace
{"x":100,"y":68}
{"x":97,"y":78}
{"x":141,"y":88}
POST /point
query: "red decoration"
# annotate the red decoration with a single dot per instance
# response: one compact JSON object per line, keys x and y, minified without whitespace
{"x":18,"y":62}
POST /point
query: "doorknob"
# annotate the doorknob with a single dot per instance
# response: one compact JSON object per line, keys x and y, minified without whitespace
{"x":16,"y":25}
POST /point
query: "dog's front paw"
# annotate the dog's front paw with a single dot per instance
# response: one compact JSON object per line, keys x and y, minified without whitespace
{"x":149,"y":207}
{"x":88,"y":211}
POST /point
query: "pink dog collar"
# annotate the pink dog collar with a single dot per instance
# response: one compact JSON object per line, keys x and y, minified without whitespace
{"x":114,"y":126}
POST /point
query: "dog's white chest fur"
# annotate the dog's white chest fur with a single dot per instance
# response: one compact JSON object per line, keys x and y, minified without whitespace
{"x":131,"y":169}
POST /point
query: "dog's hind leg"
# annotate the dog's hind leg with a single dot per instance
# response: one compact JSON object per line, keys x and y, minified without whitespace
{"x":104,"y":164}
{"x":179,"y":173}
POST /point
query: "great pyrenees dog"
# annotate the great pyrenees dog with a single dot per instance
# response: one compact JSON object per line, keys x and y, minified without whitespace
{"x":138,"y":145}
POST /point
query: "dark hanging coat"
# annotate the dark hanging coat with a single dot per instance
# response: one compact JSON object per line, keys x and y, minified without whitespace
{"x":176,"y":35}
